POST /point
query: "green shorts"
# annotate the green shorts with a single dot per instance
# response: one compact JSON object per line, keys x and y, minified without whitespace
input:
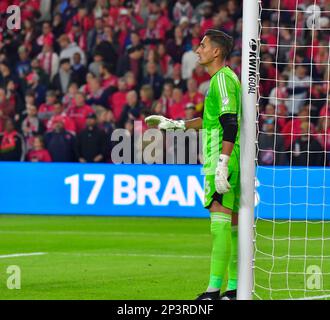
{"x":230,"y":199}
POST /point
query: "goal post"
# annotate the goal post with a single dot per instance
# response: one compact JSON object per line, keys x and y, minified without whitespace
{"x":249,"y":81}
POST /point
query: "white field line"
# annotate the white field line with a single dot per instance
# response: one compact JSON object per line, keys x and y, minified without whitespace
{"x":113,"y":254}
{"x":15,"y":255}
{"x":127,"y":254}
{"x":314,"y":298}
{"x":104,"y":233}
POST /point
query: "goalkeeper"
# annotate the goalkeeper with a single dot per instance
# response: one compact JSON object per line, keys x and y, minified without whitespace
{"x":221,"y":152}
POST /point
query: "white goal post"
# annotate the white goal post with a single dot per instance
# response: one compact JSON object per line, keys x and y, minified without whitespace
{"x":248,"y":148}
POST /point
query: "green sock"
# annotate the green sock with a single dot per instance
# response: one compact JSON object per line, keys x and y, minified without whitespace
{"x":220,"y":230}
{"x":232,"y":267}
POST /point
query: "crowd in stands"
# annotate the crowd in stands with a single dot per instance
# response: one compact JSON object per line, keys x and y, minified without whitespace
{"x":77,"y":70}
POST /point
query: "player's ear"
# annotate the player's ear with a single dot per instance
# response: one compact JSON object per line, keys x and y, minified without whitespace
{"x":217,"y":52}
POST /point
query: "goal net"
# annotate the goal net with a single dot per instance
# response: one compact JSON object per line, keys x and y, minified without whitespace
{"x":292,"y":226}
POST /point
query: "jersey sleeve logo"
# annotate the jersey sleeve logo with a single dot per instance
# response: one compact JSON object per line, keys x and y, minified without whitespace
{"x":225,"y":101}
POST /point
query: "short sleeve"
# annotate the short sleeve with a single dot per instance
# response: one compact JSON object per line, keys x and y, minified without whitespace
{"x":226,"y":94}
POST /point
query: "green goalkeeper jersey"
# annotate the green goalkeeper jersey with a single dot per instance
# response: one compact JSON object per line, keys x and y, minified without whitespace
{"x":223,"y":96}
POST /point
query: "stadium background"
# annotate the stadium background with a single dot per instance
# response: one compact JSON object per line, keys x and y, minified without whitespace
{"x":76,"y":71}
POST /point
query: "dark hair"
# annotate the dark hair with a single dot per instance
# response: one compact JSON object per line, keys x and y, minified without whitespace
{"x":222,"y":40}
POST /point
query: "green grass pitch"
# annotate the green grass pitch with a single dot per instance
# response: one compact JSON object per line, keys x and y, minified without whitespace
{"x":138,"y":258}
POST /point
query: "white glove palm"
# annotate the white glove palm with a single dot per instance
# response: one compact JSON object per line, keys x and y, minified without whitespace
{"x":221,"y":175}
{"x":164,"y":123}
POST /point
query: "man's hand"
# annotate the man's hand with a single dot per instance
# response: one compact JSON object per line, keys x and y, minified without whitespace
{"x":164,"y":123}
{"x":221,"y":175}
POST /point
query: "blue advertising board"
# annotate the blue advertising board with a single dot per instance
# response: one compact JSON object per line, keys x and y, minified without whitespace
{"x":152,"y":190}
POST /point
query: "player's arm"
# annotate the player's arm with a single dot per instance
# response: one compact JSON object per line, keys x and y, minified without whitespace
{"x":229,"y":123}
{"x":165,"y":123}
{"x":195,"y":123}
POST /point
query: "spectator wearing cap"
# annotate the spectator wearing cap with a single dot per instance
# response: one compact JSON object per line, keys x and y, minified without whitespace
{"x":154,"y":79}
{"x":12,"y":146}
{"x":176,"y":110}
{"x":118,"y":99}
{"x":23,"y":65}
{"x":189,"y":60}
{"x":79,"y":71}
{"x":79,"y":111}
{"x":48,"y":59}
{"x":69,"y":124}
{"x":31,"y":125}
{"x":68,"y":49}
{"x":193,"y":96}
{"x":46,"y":110}
{"x":190,"y":111}
{"x":91,"y":142}
{"x":63,"y":78}
{"x":182,"y":8}
{"x":38,"y":152}
{"x":60,"y":143}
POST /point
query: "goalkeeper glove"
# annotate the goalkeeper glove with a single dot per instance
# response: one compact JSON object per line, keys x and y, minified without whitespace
{"x":164,"y":123}
{"x":221,"y":175}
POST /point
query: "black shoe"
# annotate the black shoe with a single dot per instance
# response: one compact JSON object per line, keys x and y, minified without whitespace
{"x":209,"y":296}
{"x":229,"y":295}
